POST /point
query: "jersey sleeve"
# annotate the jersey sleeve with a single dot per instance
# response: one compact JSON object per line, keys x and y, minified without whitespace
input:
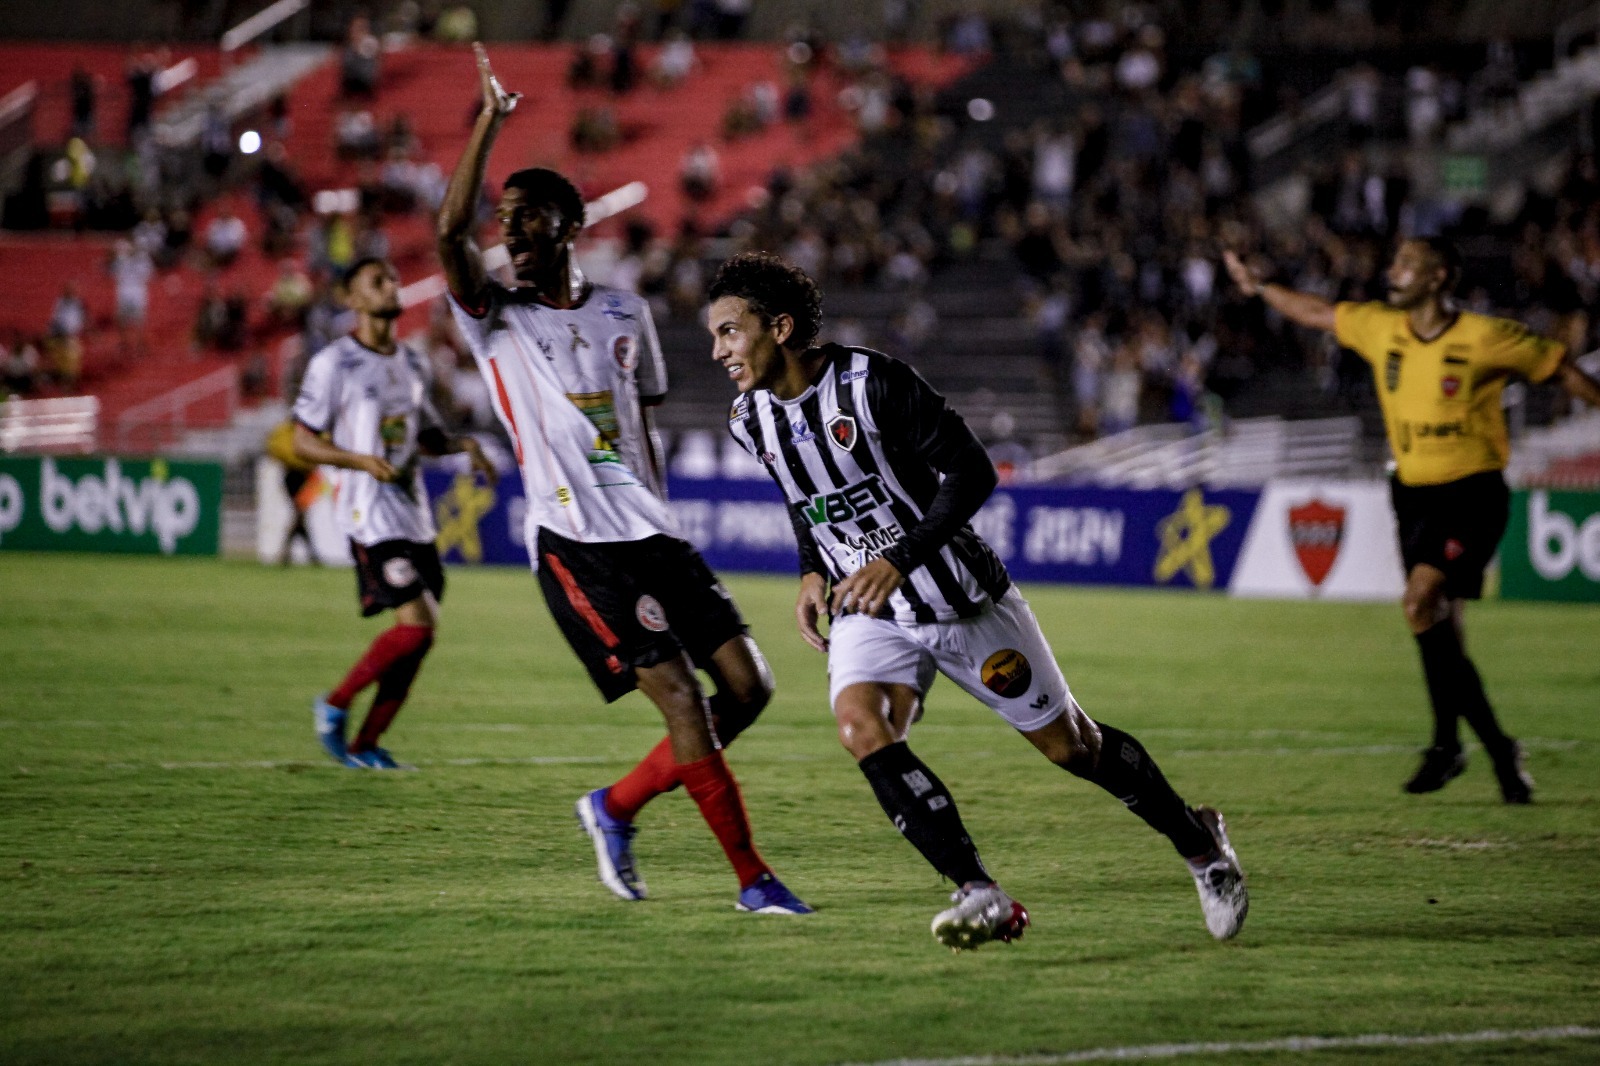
{"x":912,"y":416}
{"x":1361,"y":327}
{"x":473,"y":322}
{"x":315,"y":407}
{"x":651,"y":373}
{"x":1516,"y":348}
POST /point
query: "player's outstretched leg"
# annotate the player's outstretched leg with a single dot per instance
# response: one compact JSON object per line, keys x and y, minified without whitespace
{"x":1121,"y":765}
{"x":744,"y":688}
{"x":331,"y":723}
{"x":1455,"y":691}
{"x":394,"y":685}
{"x":671,"y":686}
{"x":391,"y":650}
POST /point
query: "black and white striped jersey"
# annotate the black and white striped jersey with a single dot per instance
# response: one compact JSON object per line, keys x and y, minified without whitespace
{"x":859,"y":457}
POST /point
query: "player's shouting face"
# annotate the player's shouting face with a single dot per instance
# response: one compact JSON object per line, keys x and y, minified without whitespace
{"x":749,"y":348}
{"x":1415,"y":276}
{"x":534,"y":231}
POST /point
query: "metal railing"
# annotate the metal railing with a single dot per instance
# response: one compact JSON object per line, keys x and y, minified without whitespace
{"x":159,"y":421}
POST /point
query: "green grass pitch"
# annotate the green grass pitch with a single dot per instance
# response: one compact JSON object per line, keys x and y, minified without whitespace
{"x":184,"y":879}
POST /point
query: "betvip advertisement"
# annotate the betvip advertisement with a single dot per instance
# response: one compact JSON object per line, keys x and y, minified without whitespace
{"x":139,"y":506}
{"x":1551,"y":549}
{"x":1316,"y":539}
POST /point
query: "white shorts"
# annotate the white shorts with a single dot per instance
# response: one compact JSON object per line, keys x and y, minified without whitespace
{"x":1000,"y":657}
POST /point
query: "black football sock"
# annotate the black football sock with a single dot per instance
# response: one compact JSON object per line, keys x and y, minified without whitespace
{"x":1456,"y":690}
{"x":1128,"y":772}
{"x":1441,"y":665}
{"x":919,"y":805}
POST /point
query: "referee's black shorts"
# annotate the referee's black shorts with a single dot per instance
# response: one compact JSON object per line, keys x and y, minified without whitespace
{"x":623,"y":605}
{"x":1455,"y":526}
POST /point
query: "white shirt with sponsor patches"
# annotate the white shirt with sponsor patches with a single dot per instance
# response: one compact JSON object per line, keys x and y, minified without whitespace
{"x":373,"y":404}
{"x":568,"y":385}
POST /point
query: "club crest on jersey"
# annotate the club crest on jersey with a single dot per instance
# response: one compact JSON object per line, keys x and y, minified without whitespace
{"x":625,"y":350}
{"x":651,"y":614}
{"x":842,"y":431}
{"x":1007,"y":673}
{"x":1450,"y":384}
{"x":800,"y":431}
{"x":1391,"y":371}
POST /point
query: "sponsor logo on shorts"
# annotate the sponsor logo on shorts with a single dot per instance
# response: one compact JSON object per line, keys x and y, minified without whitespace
{"x":842,"y":431}
{"x":1007,"y":673}
{"x":1316,"y":531}
{"x":650,"y":614}
{"x":1454,"y":549}
{"x":398,"y":572}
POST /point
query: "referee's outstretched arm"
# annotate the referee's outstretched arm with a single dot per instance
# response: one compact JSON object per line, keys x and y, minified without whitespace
{"x":1301,"y":308}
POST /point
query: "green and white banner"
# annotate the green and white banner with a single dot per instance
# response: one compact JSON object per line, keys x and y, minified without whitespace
{"x":146,"y":506}
{"x":1552,"y":547}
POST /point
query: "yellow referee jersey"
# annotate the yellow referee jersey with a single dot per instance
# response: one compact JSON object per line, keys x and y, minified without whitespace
{"x":1441,"y":398}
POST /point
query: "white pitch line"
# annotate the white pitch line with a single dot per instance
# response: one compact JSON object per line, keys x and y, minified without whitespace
{"x":318,"y":764}
{"x":1238,"y":1047}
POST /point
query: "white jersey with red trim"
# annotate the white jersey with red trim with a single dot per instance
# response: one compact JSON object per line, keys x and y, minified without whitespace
{"x":568,"y":386}
{"x":374,"y":404}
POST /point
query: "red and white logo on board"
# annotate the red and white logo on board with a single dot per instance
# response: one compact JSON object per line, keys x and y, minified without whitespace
{"x":1316,"y":530}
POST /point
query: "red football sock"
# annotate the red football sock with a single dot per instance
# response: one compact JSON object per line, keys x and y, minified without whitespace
{"x":387,"y":647}
{"x":393,"y":687}
{"x":656,"y":773}
{"x":716,"y":793}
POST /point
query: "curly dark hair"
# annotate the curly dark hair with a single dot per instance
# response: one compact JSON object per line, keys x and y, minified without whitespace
{"x":1447,"y":255}
{"x":771,"y":286}
{"x":550,"y":187}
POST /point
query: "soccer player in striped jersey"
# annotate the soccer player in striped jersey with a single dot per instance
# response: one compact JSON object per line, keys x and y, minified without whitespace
{"x":882,"y":480}
{"x":573,"y":368}
{"x":363,"y":410}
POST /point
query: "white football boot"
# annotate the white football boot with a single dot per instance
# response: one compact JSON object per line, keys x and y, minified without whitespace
{"x":982,"y":913}
{"x":1220,"y":880}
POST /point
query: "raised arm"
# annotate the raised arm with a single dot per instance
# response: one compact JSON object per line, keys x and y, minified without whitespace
{"x":1301,"y":308}
{"x":1577,"y":383}
{"x":458,"y":249}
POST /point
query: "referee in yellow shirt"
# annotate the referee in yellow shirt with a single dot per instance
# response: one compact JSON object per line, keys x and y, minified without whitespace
{"x":1439,"y":373}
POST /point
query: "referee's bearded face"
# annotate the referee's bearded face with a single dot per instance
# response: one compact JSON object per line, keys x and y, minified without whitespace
{"x":1415,"y":276}
{"x":748,"y":349}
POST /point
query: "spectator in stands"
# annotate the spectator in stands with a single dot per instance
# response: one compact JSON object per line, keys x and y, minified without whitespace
{"x":69,"y":319}
{"x":1091,"y":355}
{"x":675,"y":62}
{"x":356,"y":135}
{"x":216,"y":144}
{"x":290,"y":295}
{"x":19,"y":365}
{"x":625,"y":48}
{"x":458,"y":24}
{"x":358,"y":60}
{"x":130,"y":270}
{"x":731,"y":16}
{"x":225,"y":237}
{"x":141,"y":78}
{"x":700,"y":172}
{"x":211,"y":316}
{"x":83,"y":103}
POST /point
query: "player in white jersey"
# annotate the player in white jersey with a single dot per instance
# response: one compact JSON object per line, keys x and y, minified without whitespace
{"x":882,"y":480}
{"x":363,"y":409}
{"x":572,"y":368}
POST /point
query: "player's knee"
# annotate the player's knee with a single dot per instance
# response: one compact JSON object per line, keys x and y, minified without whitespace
{"x":1078,"y":750}
{"x":861,"y":731}
{"x":1421,"y":610}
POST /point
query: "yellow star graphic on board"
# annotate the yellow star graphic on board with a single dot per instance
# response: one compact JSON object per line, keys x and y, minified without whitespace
{"x":458,"y":513}
{"x":1186,"y":540}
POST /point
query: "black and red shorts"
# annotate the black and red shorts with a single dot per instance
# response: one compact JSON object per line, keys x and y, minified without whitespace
{"x":623,"y":605}
{"x":1455,"y":527}
{"x":395,"y":572}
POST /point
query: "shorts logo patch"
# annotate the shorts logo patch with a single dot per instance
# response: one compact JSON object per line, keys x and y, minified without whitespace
{"x":650,"y":614}
{"x":625,"y":350}
{"x":1007,"y":673}
{"x":842,"y":431}
{"x":398,"y":572}
{"x":1454,"y":549}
